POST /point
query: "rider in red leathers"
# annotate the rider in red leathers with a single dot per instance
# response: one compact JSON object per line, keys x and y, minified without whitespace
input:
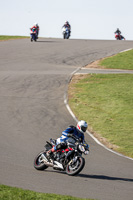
{"x":118,"y":35}
{"x":37,"y":28}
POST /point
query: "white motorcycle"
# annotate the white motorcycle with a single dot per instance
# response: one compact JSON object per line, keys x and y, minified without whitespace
{"x":66,"y":32}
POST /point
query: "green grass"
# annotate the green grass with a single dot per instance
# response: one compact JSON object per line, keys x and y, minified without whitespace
{"x":6,"y":37}
{"x":106,"y":103}
{"x":120,"y":61}
{"x":12,"y":193}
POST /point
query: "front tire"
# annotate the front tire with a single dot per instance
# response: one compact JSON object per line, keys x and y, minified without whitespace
{"x":38,"y":163}
{"x":73,"y":169}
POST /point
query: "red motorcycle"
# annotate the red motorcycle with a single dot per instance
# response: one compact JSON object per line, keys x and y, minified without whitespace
{"x":33,"y":34}
{"x":118,"y":36}
{"x":68,"y":159}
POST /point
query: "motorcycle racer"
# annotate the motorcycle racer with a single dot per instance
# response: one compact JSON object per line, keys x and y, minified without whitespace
{"x":118,"y":31}
{"x":77,"y":131}
{"x":36,"y":26}
{"x":67,"y":25}
{"x":118,"y":35}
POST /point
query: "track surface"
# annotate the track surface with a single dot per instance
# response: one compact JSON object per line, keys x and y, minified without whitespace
{"x":33,"y":79}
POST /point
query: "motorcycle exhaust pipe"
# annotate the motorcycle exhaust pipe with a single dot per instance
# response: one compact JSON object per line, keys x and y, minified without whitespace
{"x":44,"y":159}
{"x":55,"y":164}
{"x":49,"y":164}
{"x":52,"y":165}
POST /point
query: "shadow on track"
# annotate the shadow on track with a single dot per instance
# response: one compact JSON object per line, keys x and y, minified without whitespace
{"x":47,"y":41}
{"x":102,"y":177}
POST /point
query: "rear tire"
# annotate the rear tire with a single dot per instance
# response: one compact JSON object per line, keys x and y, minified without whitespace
{"x":37,"y":162}
{"x":79,"y":165}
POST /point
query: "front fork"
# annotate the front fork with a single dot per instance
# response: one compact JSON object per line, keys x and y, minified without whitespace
{"x":73,"y":160}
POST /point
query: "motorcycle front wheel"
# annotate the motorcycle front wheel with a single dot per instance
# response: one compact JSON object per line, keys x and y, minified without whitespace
{"x":74,"y":168}
{"x":64,"y":36}
{"x":38,"y":162}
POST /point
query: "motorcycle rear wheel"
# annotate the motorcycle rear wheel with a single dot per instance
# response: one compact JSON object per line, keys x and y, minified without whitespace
{"x":37,"y":162}
{"x":73,"y":169}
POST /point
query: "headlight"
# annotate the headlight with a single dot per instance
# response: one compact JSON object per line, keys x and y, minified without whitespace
{"x":81,"y":148}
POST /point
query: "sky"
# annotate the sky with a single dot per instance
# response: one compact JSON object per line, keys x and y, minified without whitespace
{"x":89,"y":19}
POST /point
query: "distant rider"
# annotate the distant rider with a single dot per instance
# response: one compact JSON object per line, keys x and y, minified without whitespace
{"x":35,"y":26}
{"x":77,"y":131}
{"x":67,"y":25}
{"x":118,"y":31}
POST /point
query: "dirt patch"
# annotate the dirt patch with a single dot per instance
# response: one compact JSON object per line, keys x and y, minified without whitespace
{"x":103,"y":140}
{"x":95,"y":64}
{"x":75,"y":79}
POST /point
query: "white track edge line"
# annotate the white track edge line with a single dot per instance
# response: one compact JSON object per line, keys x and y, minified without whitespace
{"x":95,"y":139}
{"x":74,"y":117}
{"x":126,"y":50}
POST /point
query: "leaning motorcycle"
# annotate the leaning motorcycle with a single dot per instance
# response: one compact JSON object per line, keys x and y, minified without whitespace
{"x":33,"y":34}
{"x":66,"y":32}
{"x":68,"y":159}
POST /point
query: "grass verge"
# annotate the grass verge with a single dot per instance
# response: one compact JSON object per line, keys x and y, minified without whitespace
{"x":12,"y":193}
{"x":6,"y":37}
{"x":106,"y":103}
{"x":122,"y":60}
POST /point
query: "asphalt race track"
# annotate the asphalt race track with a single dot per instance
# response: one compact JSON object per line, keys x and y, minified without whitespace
{"x":33,"y":80}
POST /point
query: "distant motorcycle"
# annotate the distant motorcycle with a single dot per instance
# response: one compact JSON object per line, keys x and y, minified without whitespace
{"x":68,"y":159}
{"x":119,"y":36}
{"x":66,"y":32}
{"x":33,"y":34}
